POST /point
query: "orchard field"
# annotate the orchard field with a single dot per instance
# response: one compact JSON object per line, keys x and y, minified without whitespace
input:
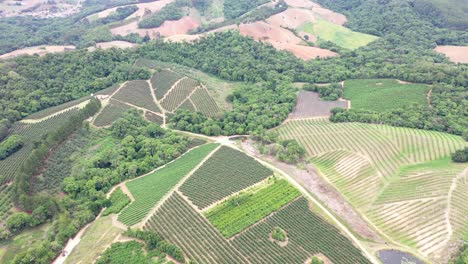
{"x":399,"y":178}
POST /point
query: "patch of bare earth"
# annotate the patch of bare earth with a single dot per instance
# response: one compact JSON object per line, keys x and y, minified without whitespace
{"x":292,"y":18}
{"x":328,"y":195}
{"x":309,"y":105}
{"x":40,"y":50}
{"x":178,"y":27}
{"x":301,"y":3}
{"x":39,"y":8}
{"x":115,"y":44}
{"x":457,"y":54}
{"x":323,"y":13}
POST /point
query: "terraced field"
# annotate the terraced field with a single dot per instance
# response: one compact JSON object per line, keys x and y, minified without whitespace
{"x":163,"y":81}
{"x":182,"y":225}
{"x":184,"y":88}
{"x":204,"y":103}
{"x":226,"y":172}
{"x":308,"y":234}
{"x":31,"y":133}
{"x":400,"y":178}
{"x":137,"y":93}
{"x":111,"y":112}
{"x":148,"y":190}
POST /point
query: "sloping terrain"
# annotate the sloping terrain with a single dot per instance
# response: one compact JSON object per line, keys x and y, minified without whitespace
{"x":400,"y":179}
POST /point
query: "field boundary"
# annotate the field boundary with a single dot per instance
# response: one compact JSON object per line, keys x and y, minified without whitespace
{"x":143,"y":222}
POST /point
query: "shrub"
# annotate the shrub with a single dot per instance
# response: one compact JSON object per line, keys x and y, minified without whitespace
{"x":278,"y":234}
{"x":460,"y":155}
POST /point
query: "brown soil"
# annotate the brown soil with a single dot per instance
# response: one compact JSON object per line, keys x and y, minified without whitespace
{"x":292,"y":18}
{"x":457,"y":54}
{"x":182,"y":26}
{"x":40,"y":50}
{"x":309,"y":105}
{"x":39,"y":8}
{"x":301,"y":3}
{"x":263,"y":31}
{"x":315,"y":184}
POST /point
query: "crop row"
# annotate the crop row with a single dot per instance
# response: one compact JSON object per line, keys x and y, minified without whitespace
{"x":31,"y":133}
{"x":204,"y":103}
{"x":52,"y":110}
{"x":148,"y":190}
{"x":179,"y":94}
{"x":138,"y":93}
{"x":240,"y":212}
{"x":154,"y":118}
{"x":111,"y":112}
{"x":163,"y":81}
{"x":226,"y":172}
{"x":177,"y":222}
{"x":308,"y":234}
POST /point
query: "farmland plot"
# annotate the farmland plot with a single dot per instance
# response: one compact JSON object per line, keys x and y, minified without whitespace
{"x":204,"y":103}
{"x":163,"y":81}
{"x":154,"y":118}
{"x":240,"y":212}
{"x":384,"y":94}
{"x":137,"y":93}
{"x":179,"y":223}
{"x":113,"y":111}
{"x":310,"y":105}
{"x":226,"y":172}
{"x":148,"y":190}
{"x":179,"y":94}
{"x":308,"y":234}
{"x":400,"y":178}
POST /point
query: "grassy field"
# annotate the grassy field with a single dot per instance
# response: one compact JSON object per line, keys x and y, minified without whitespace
{"x":341,"y":36}
{"x":228,"y":171}
{"x":148,"y":190}
{"x":400,"y":178}
{"x":384,"y":94}
{"x":30,"y":237}
{"x":99,"y":235}
{"x":241,"y":211}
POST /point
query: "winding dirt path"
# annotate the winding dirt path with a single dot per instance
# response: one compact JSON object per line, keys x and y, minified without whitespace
{"x":429,"y":96}
{"x":155,"y":100}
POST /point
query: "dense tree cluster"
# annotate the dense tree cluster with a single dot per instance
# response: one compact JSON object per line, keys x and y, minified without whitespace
{"x":119,"y":14}
{"x":327,"y":92}
{"x":261,"y":105}
{"x":29,"y":84}
{"x":235,"y":8}
{"x":155,"y":241}
{"x":10,"y":146}
{"x":460,"y":155}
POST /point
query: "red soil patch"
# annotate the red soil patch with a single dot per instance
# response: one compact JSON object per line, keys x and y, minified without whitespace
{"x":330,"y":16}
{"x":181,"y":26}
{"x":457,"y":54}
{"x":40,"y":50}
{"x":151,"y":6}
{"x":301,"y":3}
{"x":292,"y":18}
{"x":266,"y":32}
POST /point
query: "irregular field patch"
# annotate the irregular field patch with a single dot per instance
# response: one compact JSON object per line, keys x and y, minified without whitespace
{"x":457,"y":54}
{"x":310,"y":105}
{"x":111,"y":112}
{"x":137,"y":93}
{"x":179,"y":223}
{"x":226,"y":172}
{"x":243,"y":210}
{"x":341,"y":36}
{"x":383,"y":94}
{"x":400,"y":178}
{"x":163,"y":81}
{"x":308,"y":234}
{"x":148,"y":190}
